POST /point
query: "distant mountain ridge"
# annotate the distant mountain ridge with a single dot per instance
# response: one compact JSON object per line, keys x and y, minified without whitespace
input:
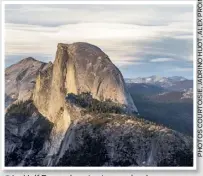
{"x":155,"y":79}
{"x":176,"y":83}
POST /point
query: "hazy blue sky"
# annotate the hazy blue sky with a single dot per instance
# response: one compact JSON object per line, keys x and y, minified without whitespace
{"x":142,"y":40}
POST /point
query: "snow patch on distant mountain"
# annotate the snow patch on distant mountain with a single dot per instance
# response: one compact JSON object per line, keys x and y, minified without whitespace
{"x":187,"y":94}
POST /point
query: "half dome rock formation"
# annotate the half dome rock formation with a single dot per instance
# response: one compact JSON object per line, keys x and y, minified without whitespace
{"x":80,"y":67}
{"x":20,"y":79}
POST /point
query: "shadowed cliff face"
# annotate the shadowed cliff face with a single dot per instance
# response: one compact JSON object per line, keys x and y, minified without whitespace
{"x":79,"y":67}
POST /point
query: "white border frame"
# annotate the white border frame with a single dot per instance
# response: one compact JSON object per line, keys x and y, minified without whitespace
{"x":105,"y":3}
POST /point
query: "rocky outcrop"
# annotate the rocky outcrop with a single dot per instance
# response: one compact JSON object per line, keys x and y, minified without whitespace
{"x":20,"y":80}
{"x":26,"y":132}
{"x":120,"y":140}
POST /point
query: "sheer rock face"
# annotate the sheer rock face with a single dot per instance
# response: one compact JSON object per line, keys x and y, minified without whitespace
{"x":79,"y":67}
{"x":20,"y":79}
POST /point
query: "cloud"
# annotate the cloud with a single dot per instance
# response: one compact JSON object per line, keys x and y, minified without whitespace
{"x":120,"y":63}
{"x":117,"y":39}
{"x":56,"y":15}
{"x":181,"y":69}
{"x":129,"y":34}
{"x":162,"y":60}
